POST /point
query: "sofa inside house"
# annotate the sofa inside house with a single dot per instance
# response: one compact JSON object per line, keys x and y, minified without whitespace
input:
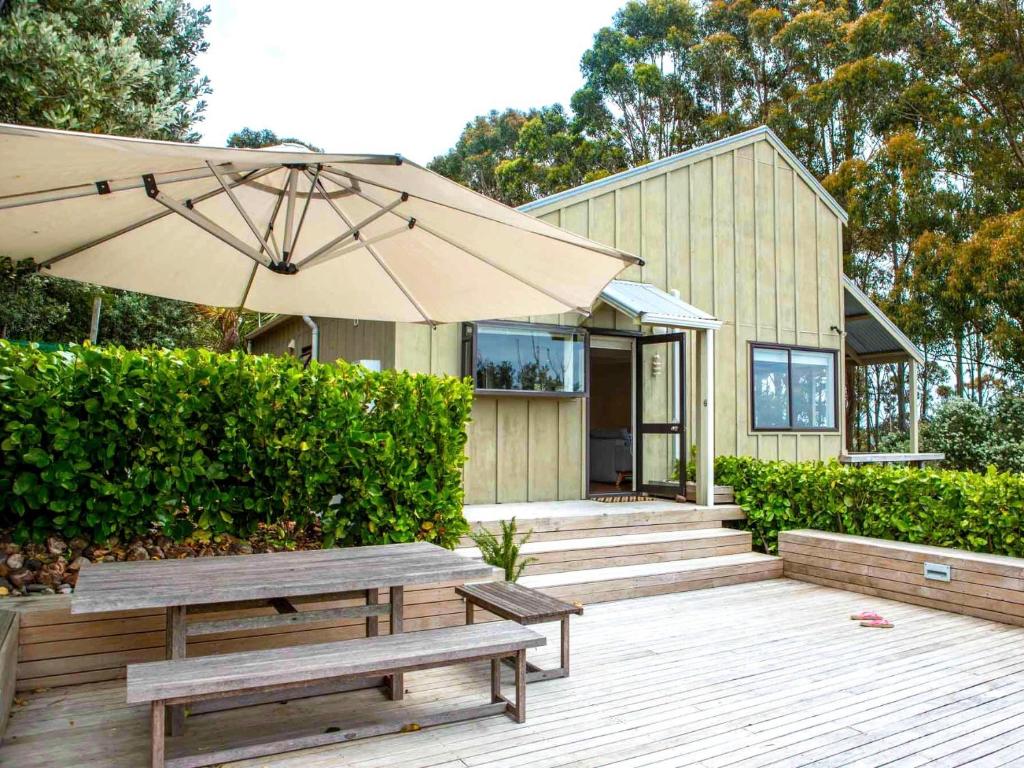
{"x":611,"y":454}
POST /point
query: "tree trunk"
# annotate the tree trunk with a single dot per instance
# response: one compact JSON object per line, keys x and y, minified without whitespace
{"x":958,"y":368}
{"x":868,"y":427}
{"x":878,"y":407}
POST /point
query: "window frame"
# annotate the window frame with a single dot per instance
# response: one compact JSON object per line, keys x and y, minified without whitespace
{"x":468,"y":350}
{"x":790,"y":348}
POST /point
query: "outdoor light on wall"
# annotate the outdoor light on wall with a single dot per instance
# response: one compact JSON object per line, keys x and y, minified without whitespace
{"x":656,"y":365}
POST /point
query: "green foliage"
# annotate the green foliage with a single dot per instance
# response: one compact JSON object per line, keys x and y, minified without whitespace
{"x":104,"y":66}
{"x":124,"y":67}
{"x":504,"y":552}
{"x":248,"y":138}
{"x":974,"y":436}
{"x":515,"y":156}
{"x":104,"y":441}
{"x":946,"y":508}
{"x":962,"y":430}
{"x":36,"y":307}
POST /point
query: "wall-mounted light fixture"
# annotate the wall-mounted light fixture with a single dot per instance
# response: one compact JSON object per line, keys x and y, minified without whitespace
{"x":656,"y":365}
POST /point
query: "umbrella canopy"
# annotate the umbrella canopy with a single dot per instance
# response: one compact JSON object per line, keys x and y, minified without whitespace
{"x":374,"y":237}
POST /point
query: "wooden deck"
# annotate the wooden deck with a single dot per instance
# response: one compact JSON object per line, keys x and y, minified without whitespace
{"x":769,"y":673}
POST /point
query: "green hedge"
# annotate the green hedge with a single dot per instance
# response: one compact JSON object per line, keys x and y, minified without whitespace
{"x":946,"y":508}
{"x":102,"y":441}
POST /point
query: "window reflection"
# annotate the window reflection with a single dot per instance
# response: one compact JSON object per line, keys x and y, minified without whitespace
{"x":528,"y":359}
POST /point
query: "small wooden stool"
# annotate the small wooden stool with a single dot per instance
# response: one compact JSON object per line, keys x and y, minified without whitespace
{"x":526,"y":606}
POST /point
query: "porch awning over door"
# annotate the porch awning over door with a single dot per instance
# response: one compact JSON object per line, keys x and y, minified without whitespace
{"x":649,"y":305}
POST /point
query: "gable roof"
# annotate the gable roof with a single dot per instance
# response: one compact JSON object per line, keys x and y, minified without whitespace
{"x":761,"y":133}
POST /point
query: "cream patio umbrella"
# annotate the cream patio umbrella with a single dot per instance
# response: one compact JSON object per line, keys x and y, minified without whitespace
{"x":372,"y":237}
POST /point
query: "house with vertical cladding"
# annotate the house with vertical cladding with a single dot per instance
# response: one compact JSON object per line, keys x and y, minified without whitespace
{"x":736,"y":336}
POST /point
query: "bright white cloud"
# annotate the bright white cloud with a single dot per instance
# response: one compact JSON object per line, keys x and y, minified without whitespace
{"x":399,"y":76}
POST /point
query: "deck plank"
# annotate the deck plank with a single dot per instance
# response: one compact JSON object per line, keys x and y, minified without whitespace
{"x":769,"y":673}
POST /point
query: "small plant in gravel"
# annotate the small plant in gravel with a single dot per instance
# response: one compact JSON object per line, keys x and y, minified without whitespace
{"x":503,"y":552}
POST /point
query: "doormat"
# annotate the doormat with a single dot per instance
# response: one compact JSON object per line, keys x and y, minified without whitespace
{"x":622,"y":497}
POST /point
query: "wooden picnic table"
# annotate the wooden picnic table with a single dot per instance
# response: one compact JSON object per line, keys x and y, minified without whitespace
{"x":273,"y":579}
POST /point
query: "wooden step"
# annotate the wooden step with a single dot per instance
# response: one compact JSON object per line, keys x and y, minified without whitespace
{"x":551,"y":521}
{"x":627,"y":549}
{"x":617,"y":583}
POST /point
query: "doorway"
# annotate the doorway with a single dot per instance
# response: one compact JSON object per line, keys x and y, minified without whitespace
{"x":661,"y":435}
{"x":610,"y":424}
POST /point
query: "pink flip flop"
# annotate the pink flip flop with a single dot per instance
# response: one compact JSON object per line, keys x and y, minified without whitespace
{"x":877,"y":624}
{"x":867,"y":616}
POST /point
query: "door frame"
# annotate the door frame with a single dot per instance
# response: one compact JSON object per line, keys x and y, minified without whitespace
{"x":640,"y":427}
{"x":630,"y":338}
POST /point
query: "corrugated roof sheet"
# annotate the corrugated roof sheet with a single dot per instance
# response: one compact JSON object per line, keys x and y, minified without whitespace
{"x":650,"y":305}
{"x":868,"y":330}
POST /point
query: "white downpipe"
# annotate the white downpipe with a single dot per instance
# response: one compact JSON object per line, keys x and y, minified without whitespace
{"x":315,"y":343}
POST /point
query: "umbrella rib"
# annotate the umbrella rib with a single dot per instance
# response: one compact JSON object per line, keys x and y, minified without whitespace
{"x":305,"y":208}
{"x":270,"y":232}
{"x":328,"y":248}
{"x":207,"y":225}
{"x":480,"y":257}
{"x":380,"y":261}
{"x":117,"y":185}
{"x":289,"y":213}
{"x":241,"y":210}
{"x":590,"y":246}
{"x":251,"y":176}
{"x":356,"y":246}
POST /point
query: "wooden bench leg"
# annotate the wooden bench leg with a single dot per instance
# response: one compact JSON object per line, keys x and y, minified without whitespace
{"x":496,"y":681}
{"x":176,"y":649}
{"x":516,"y":710}
{"x":157,"y":733}
{"x":470,"y":618}
{"x":565,"y":646}
{"x":521,"y":686}
{"x":397,"y":611}
{"x":372,"y":622}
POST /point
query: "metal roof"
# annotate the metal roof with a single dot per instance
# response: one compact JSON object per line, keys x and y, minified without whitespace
{"x":650,"y":305}
{"x":683,"y":158}
{"x":869,"y":331}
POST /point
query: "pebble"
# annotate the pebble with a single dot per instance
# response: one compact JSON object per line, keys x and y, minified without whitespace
{"x":39,"y":589}
{"x":78,"y":544}
{"x":55,"y":546}
{"x":15,"y":561}
{"x":138,"y":553}
{"x":21,"y":577}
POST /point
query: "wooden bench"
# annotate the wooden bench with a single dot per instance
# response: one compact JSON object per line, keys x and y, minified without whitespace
{"x":184,"y":681}
{"x":523,"y":605}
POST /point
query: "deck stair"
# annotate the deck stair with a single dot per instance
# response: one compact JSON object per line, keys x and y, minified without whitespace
{"x":591,"y":552}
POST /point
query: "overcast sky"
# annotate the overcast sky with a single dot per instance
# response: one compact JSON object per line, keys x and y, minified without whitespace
{"x":399,"y":76}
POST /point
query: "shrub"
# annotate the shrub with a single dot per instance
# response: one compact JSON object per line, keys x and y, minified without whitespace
{"x":504,"y":552}
{"x":981,"y":512}
{"x":962,"y":430}
{"x":104,"y":441}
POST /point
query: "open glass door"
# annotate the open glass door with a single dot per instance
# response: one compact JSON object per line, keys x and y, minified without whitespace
{"x":660,"y":434}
